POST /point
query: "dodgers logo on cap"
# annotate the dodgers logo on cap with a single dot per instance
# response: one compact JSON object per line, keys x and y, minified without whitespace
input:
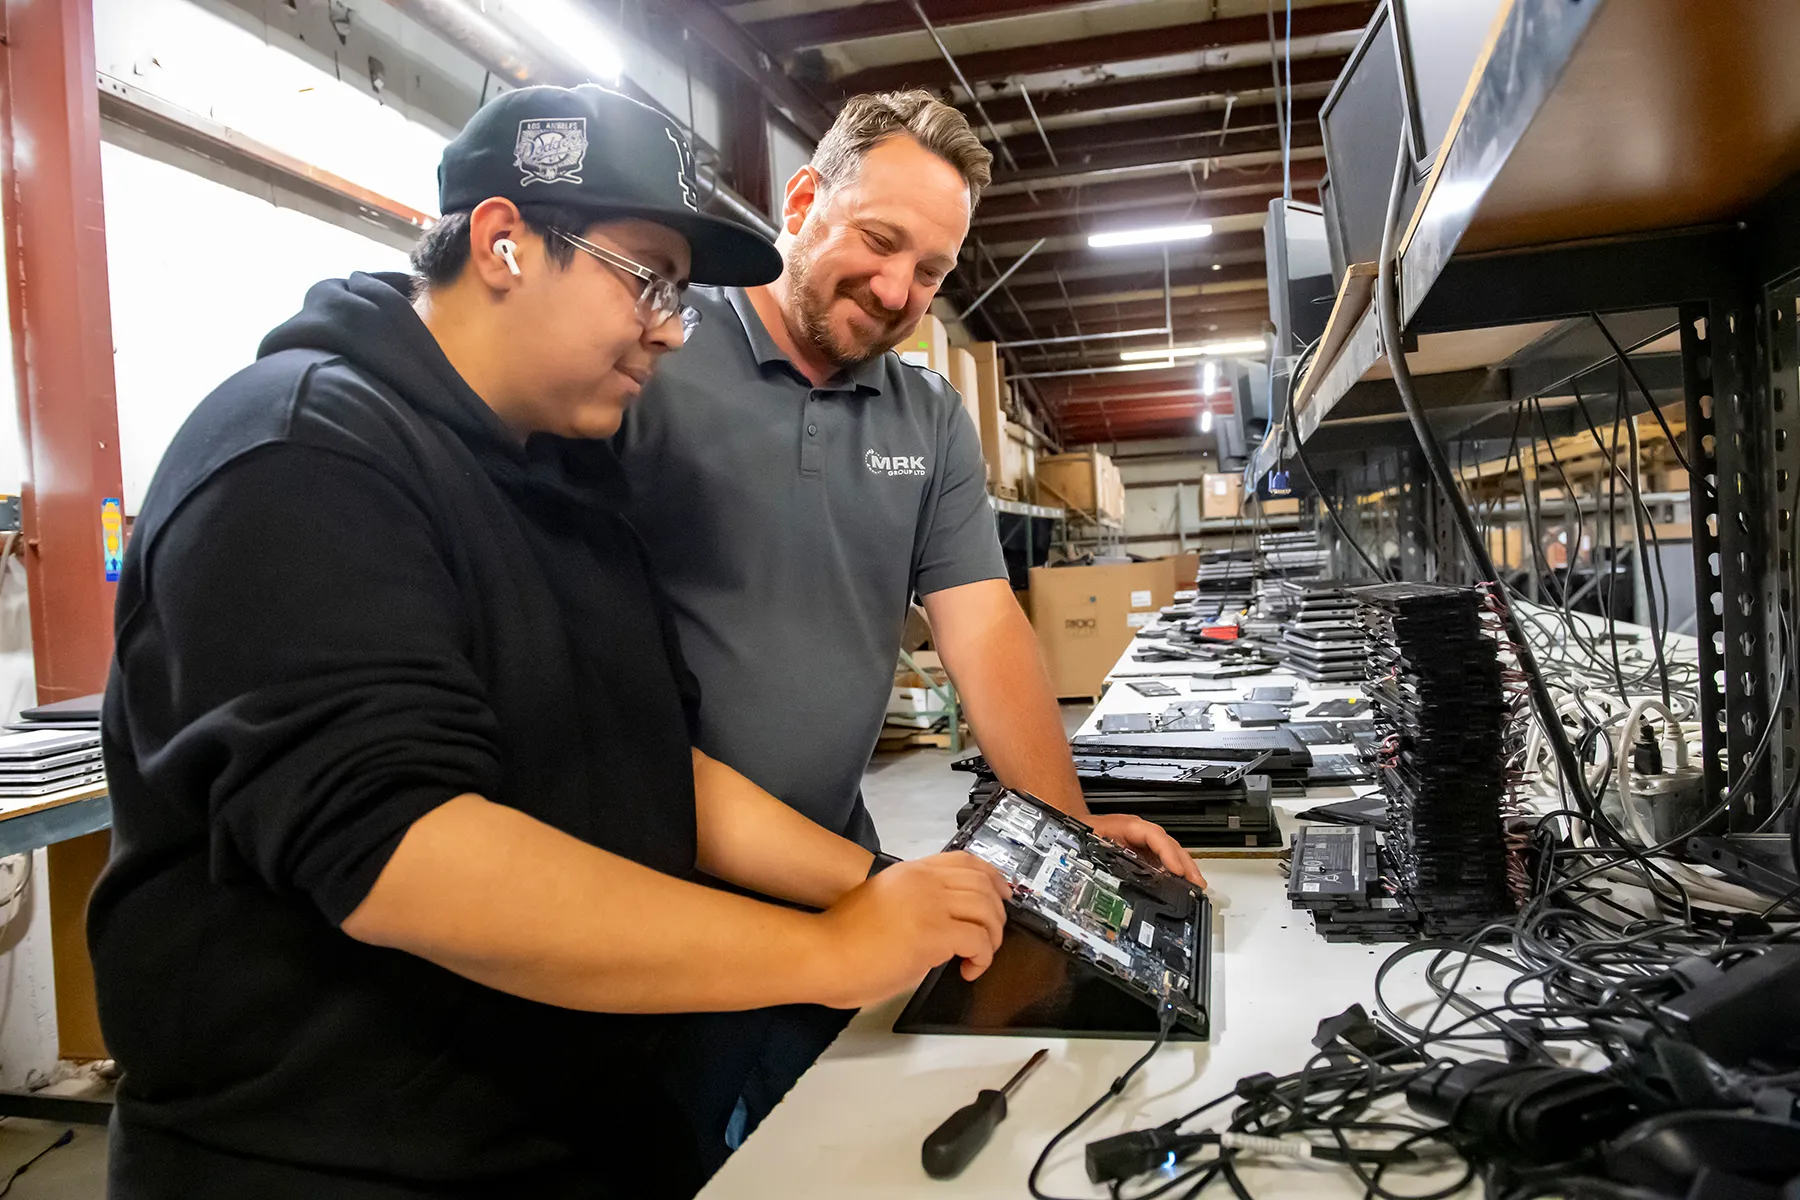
{"x":551,"y":150}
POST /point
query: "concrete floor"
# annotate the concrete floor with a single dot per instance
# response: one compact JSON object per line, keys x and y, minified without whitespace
{"x":913,"y":796}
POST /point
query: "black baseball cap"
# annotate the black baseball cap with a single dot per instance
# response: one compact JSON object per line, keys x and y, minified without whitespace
{"x":587,"y":147}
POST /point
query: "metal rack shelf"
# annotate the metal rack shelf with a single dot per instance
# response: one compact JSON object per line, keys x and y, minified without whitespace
{"x":1018,"y":508}
{"x":1614,"y":157}
{"x":1602,"y":157}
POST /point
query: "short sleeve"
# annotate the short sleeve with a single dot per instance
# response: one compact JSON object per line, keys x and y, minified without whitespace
{"x":959,"y":541}
{"x":297,"y":672}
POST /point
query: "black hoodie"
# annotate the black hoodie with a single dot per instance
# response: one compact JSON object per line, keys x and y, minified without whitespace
{"x":349,"y":597}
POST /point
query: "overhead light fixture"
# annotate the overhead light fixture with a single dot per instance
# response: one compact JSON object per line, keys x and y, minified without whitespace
{"x":1242,"y":346}
{"x":573,"y":30}
{"x":1206,"y":420}
{"x":1209,"y":377}
{"x":1145,"y":237}
{"x":1218,"y":266}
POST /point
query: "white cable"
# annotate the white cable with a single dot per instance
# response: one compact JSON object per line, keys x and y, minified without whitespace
{"x":1273,"y":1147}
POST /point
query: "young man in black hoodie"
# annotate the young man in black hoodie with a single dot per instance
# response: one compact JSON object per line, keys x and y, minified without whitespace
{"x":407,"y":812}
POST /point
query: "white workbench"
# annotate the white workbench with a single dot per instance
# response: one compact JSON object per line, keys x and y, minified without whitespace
{"x":852,"y":1126}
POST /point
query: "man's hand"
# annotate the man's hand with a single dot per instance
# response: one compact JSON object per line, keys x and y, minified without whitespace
{"x":1149,"y":840}
{"x":889,"y":933}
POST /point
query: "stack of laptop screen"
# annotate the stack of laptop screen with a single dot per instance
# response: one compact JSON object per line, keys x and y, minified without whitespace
{"x":1225,"y":581}
{"x":1323,"y":640}
{"x":1292,"y":555}
{"x":42,"y":762}
{"x":83,"y":712}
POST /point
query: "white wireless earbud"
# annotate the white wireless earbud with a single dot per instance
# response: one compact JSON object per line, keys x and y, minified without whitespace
{"x":506,"y":249}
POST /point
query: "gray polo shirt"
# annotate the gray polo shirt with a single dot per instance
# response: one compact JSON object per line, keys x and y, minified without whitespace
{"x":791,"y":526}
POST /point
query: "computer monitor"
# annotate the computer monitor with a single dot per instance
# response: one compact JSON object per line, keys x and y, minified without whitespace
{"x":1301,"y":290}
{"x":1363,"y":119}
{"x":1441,"y":42}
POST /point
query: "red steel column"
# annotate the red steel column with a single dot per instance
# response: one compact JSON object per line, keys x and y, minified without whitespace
{"x":61,"y":316}
{"x":62,"y":336}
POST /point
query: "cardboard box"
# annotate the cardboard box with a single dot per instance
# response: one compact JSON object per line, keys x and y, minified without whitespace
{"x":1018,"y":460}
{"x":1221,"y":496}
{"x":1087,"y":482}
{"x":990,"y":388}
{"x":1187,"y":569}
{"x":1288,"y":506}
{"x":1086,"y":616}
{"x":928,"y":346}
{"x":1506,"y":547}
{"x":916,"y":708}
{"x":913,"y":703}
{"x":963,"y":378}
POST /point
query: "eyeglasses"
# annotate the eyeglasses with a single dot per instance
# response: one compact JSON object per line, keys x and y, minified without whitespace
{"x":660,"y":297}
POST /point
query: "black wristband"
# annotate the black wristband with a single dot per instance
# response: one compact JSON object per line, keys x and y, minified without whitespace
{"x":882,"y":862}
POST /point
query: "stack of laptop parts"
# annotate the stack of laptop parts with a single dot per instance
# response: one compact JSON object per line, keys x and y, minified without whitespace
{"x":1440,"y":711}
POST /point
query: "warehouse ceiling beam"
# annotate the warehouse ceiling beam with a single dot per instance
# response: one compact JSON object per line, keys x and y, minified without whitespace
{"x":957,"y":72}
{"x":1172,"y":127}
{"x":1247,"y":278}
{"x":1143,"y":92}
{"x":1080,"y":226}
{"x":449,"y":19}
{"x":483,"y":40}
{"x":397,"y":224}
{"x":1097,"y":270}
{"x":1005,"y":275}
{"x":746,"y":53}
{"x":1145,"y":193}
{"x":1159,"y":159}
{"x":886,"y":17}
{"x":1189,"y":37}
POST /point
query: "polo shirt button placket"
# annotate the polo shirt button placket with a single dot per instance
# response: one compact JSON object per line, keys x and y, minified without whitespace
{"x":810,"y":454}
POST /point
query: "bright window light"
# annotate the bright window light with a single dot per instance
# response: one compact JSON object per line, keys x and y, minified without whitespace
{"x":572,"y":29}
{"x":1206,"y":420}
{"x":1144,"y":237}
{"x":1243,"y":346}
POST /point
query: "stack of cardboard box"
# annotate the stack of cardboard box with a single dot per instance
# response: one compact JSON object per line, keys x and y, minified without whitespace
{"x":1087,"y":482}
{"x":976,"y":372}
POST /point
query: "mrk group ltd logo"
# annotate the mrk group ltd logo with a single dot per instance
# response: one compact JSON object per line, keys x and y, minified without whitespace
{"x":894,"y":464}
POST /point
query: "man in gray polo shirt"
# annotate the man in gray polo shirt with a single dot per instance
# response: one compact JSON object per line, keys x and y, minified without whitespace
{"x":797,"y":485}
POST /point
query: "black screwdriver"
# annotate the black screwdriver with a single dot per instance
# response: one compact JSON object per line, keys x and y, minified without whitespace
{"x":954,"y":1144}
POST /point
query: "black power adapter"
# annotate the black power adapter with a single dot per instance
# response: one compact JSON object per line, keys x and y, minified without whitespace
{"x":1527,"y":1113}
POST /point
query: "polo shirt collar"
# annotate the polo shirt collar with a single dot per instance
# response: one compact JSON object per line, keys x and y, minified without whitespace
{"x":864,"y":377}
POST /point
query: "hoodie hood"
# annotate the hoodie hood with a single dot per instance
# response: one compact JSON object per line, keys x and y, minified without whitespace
{"x":368,"y":320}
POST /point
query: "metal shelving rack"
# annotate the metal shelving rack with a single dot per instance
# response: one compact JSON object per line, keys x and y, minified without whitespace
{"x":1027,"y":531}
{"x":1619,"y":157}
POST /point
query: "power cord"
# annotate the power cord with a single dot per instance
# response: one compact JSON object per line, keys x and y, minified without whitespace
{"x":68,"y":1135}
{"x":1165,"y":1021}
{"x":1387,"y":311}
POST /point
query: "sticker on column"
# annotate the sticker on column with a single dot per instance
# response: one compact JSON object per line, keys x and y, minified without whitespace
{"x":112,"y":534}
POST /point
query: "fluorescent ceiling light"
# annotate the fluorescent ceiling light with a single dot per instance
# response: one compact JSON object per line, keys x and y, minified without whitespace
{"x":1144,"y":237}
{"x":1206,"y":420}
{"x":1209,"y":377}
{"x":1242,"y":346}
{"x":575,"y":32}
